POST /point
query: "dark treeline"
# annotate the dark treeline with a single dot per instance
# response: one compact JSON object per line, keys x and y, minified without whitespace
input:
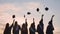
{"x":24,"y":30}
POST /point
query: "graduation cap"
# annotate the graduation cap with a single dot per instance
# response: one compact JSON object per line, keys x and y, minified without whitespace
{"x":13,"y":16}
{"x":28,"y":13}
{"x":46,"y":8}
{"x":37,"y":9}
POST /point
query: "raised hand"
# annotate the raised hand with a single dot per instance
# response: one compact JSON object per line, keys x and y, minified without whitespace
{"x":53,"y":16}
{"x":42,"y":15}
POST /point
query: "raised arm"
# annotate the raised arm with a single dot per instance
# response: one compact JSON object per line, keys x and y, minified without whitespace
{"x":26,"y":22}
{"x":41,"y":18}
{"x":52,"y":18}
{"x":11,"y":25}
{"x":33,"y":20}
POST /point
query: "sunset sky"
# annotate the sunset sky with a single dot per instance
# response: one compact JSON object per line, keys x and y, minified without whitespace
{"x":21,"y":7}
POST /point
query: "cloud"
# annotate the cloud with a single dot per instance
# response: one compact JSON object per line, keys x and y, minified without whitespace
{"x":31,"y":5}
{"x":19,"y":7}
{"x":4,"y":7}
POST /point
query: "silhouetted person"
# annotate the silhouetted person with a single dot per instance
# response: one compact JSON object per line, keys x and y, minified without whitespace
{"x":16,"y":28}
{"x":50,"y":27}
{"x":32,"y":28}
{"x":26,"y":26}
{"x":8,"y":29}
{"x":24,"y":29}
{"x":40,"y":26}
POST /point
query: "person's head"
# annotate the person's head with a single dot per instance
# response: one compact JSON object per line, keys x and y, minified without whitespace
{"x":7,"y":25}
{"x":23,"y":25}
{"x":33,"y":25}
{"x":15,"y":22}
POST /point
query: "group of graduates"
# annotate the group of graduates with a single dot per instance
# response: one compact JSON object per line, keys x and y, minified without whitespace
{"x":32,"y":30}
